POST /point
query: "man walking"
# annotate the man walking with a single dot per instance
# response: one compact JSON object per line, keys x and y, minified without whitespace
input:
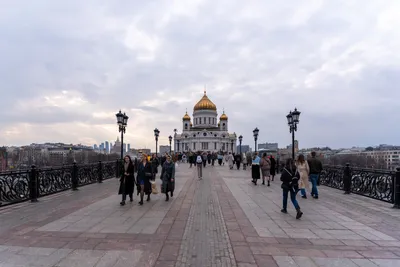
{"x":199,"y":161}
{"x":315,"y":170}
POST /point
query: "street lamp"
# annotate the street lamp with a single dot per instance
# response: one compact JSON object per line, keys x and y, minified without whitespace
{"x":240,"y":144}
{"x":156,"y":134}
{"x":122,"y":121}
{"x":255,"y":134}
{"x":293,"y":120}
{"x":170,"y":144}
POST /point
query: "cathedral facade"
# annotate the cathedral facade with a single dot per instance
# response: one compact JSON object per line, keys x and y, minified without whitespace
{"x":205,"y":131}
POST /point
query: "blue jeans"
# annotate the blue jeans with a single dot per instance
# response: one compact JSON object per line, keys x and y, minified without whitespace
{"x":314,"y":181}
{"x":293,"y":194}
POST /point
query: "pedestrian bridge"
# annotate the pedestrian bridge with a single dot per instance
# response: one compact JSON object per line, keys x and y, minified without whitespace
{"x":222,"y":220}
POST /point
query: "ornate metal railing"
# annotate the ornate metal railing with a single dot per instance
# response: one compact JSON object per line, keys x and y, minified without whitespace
{"x":377,"y":184}
{"x":17,"y":186}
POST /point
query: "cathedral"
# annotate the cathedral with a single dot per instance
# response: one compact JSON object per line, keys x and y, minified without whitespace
{"x":204,"y":132}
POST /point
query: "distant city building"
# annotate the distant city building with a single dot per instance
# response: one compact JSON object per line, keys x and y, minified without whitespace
{"x":138,"y":151}
{"x":107,"y":147}
{"x":116,"y":149}
{"x":245,"y":148}
{"x":124,"y":147}
{"x":129,"y":147}
{"x":164,"y":149}
{"x":268,"y":146}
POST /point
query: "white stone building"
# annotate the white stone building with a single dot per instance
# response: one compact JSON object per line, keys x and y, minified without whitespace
{"x":204,"y":132}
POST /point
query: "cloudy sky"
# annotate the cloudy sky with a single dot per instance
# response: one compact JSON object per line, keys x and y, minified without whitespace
{"x":67,"y":67}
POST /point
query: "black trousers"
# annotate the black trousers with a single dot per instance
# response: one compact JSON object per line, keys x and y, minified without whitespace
{"x":124,"y":196}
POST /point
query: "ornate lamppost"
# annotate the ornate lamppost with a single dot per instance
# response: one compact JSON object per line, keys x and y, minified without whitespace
{"x":170,"y":144}
{"x":255,"y":134}
{"x":175,"y":148}
{"x":240,"y":144}
{"x":293,"y":120}
{"x":156,"y":134}
{"x":122,"y":120}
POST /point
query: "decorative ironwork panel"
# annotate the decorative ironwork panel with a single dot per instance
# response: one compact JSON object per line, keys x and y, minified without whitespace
{"x":14,"y":186}
{"x":109,"y":170}
{"x":373,"y":183}
{"x":332,"y":176}
{"x":54,"y":180}
{"x":377,"y":184}
{"x":88,"y":174}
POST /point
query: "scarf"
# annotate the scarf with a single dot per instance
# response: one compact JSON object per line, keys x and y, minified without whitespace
{"x":126,"y":165}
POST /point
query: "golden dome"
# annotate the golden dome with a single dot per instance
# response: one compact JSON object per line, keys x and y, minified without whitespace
{"x":186,"y":117}
{"x":223,"y":116}
{"x":205,"y":103}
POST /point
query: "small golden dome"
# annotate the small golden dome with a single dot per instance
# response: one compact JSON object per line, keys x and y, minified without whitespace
{"x":223,"y":116}
{"x":205,"y":104}
{"x":186,"y":117}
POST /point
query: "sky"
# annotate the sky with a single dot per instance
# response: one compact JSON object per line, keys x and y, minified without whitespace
{"x":67,"y":67}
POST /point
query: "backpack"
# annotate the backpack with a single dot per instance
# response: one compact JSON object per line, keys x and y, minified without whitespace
{"x":199,"y":159}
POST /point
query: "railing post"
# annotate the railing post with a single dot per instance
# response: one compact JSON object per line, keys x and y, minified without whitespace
{"x":100,"y":172}
{"x":347,"y":179}
{"x":33,"y":184}
{"x":397,"y":189}
{"x":74,"y":178}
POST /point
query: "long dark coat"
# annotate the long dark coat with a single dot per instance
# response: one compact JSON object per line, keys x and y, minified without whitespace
{"x":273,"y":166}
{"x":168,"y":173}
{"x":144,"y":173}
{"x":127,"y":182}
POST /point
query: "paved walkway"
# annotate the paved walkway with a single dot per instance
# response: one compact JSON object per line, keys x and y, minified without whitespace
{"x":222,"y":220}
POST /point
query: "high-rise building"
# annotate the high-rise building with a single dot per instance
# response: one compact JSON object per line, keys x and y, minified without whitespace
{"x":107,"y":147}
{"x":129,"y":147}
{"x":95,"y":147}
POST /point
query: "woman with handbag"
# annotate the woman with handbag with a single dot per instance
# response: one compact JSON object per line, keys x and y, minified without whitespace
{"x":168,"y":178}
{"x":290,"y":185}
{"x":255,"y":168}
{"x":144,"y":176}
{"x":127,"y":180}
{"x":304,"y":170}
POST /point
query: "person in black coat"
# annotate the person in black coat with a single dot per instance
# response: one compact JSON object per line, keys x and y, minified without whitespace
{"x":154,"y":165}
{"x":290,"y":185}
{"x":127,"y":180}
{"x":238,"y":160}
{"x":168,"y":178}
{"x":144,"y":175}
{"x":273,"y":167}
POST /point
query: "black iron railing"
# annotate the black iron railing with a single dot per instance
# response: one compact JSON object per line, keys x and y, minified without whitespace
{"x":377,"y":184}
{"x":17,"y":186}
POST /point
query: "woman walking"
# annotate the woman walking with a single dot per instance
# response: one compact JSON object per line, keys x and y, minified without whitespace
{"x":304,"y":170}
{"x":127,"y":181}
{"x":290,"y":185}
{"x":255,"y":168}
{"x":168,"y":178}
{"x":265,"y":165}
{"x":244,"y":161}
{"x":143,"y":178}
{"x":230,"y":161}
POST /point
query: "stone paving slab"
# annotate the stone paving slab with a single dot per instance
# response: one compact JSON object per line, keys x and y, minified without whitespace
{"x":222,"y":220}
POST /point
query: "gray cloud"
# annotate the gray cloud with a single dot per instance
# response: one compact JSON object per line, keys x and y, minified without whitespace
{"x":74,"y":64}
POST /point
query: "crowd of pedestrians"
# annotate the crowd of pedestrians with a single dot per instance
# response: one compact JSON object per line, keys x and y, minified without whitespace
{"x":295,"y":174}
